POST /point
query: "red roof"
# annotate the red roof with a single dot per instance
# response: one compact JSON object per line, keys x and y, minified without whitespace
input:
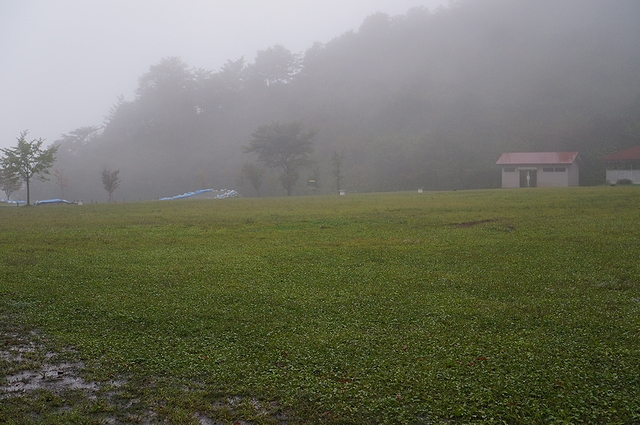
{"x":630,"y":154}
{"x":531,"y":158}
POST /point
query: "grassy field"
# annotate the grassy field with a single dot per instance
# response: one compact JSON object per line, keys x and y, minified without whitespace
{"x":499,"y":306}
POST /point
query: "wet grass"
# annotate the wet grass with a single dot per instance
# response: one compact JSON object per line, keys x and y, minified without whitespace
{"x":484,"y":306}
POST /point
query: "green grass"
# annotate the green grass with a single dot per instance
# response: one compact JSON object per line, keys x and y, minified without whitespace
{"x":501,"y":306}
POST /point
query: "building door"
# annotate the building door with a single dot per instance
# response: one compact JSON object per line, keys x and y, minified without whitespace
{"x":528,"y":178}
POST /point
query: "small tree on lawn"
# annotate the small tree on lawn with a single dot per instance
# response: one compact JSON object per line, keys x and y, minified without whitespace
{"x":284,"y":146}
{"x":61,"y":180}
{"x":203,"y":178}
{"x":28,"y":160}
{"x":9,"y":183}
{"x":336,"y":164}
{"x":110,"y":181}
{"x":254,"y":173}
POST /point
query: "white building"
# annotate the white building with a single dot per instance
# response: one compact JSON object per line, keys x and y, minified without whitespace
{"x":624,"y":165}
{"x":539,"y":169}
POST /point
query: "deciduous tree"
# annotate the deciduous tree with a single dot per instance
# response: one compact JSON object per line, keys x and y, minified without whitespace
{"x":76,"y":140}
{"x":9,"y":182}
{"x":337,"y":158}
{"x":275,"y":65}
{"x":254,"y":173}
{"x":61,"y":180}
{"x":28,"y":160}
{"x":284,"y":146}
{"x":111,"y":181}
{"x":203,"y":178}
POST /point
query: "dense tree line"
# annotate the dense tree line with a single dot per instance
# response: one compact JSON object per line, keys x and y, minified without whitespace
{"x":426,"y":99}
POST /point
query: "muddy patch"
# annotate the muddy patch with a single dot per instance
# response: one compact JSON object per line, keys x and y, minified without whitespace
{"x":473,"y":223}
{"x":50,"y":377}
{"x":27,"y":366}
{"x":31,"y":371}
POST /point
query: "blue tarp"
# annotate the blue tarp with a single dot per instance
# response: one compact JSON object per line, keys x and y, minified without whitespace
{"x":224,"y":193}
{"x":54,"y":201}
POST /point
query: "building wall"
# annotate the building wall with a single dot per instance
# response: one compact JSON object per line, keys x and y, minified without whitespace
{"x":548,"y":175}
{"x":574,"y":175}
{"x":553,"y":176}
{"x":558,"y":175}
{"x":510,"y":177}
{"x":614,"y":175}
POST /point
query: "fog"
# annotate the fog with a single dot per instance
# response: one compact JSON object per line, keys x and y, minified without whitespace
{"x":408,"y":97}
{"x":64,"y":62}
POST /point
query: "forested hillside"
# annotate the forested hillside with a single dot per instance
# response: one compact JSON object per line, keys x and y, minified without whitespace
{"x":426,"y":99}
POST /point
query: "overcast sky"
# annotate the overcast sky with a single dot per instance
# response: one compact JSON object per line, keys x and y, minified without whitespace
{"x":64,"y":62}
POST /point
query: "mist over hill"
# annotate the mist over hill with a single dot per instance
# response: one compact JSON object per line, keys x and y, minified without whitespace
{"x":426,"y":99}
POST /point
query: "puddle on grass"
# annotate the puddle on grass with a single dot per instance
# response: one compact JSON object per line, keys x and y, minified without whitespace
{"x":26,"y":366}
{"x":30,"y":367}
{"x":54,"y":378}
{"x":203,"y":419}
